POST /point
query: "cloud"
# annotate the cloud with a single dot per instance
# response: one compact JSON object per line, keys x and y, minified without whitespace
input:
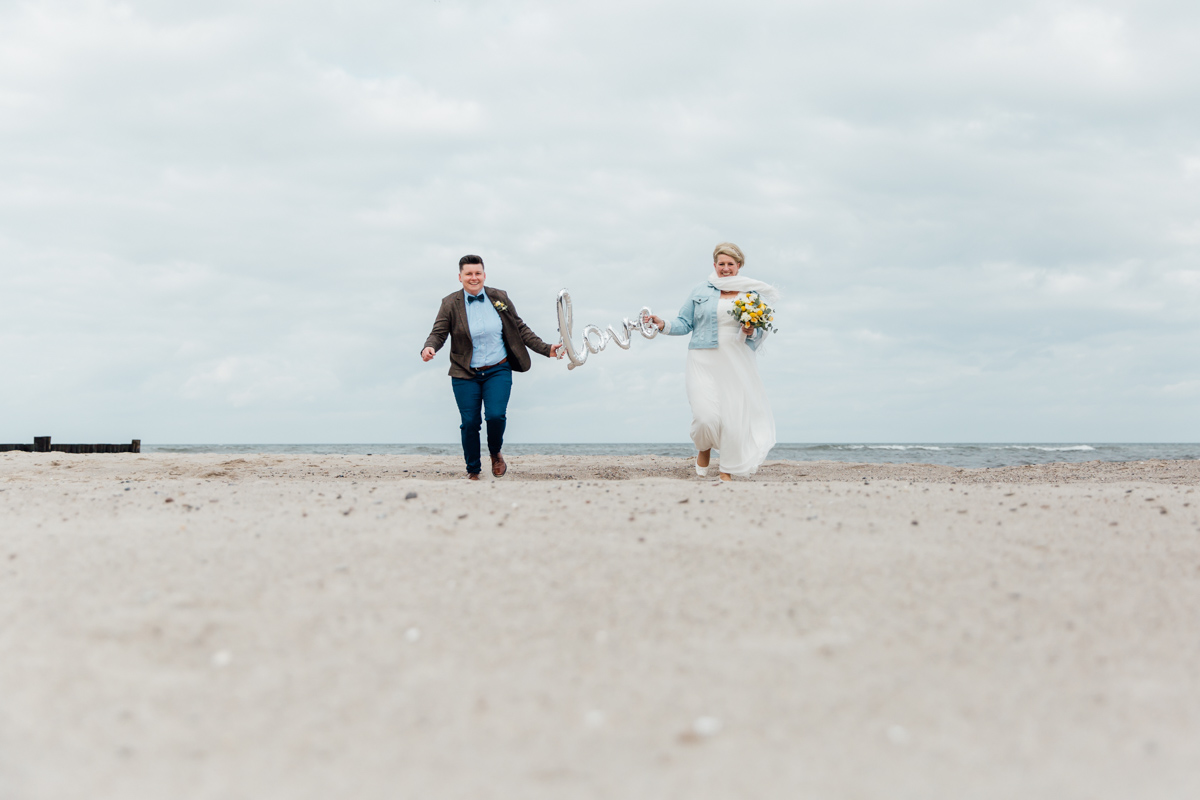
{"x":396,"y":105}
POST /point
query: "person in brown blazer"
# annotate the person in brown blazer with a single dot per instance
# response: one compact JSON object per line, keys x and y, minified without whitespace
{"x":488,"y":342}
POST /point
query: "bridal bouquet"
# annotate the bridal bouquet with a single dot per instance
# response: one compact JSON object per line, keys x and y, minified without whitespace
{"x":753,"y":312}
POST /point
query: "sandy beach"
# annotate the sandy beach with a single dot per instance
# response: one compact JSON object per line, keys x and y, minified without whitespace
{"x":203,"y":626}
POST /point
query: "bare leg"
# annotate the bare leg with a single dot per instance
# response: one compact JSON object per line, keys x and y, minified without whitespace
{"x":702,"y":458}
{"x":725,"y":476}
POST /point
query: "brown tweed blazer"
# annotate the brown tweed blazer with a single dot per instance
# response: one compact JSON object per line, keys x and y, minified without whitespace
{"x":452,"y":321}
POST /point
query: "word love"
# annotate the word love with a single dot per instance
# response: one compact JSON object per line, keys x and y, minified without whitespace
{"x":594,"y":339}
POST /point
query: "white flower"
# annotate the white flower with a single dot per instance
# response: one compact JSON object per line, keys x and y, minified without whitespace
{"x":745,"y":317}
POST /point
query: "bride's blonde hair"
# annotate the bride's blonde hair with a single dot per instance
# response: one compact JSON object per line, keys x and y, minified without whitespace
{"x":729,"y":249}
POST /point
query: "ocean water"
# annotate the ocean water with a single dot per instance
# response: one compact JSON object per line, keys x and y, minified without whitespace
{"x":953,"y":455}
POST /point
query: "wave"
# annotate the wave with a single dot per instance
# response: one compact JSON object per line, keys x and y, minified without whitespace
{"x":1045,"y":448}
{"x":874,"y":447}
{"x":902,"y":447}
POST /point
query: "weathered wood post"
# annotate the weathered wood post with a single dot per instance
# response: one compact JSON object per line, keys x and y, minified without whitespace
{"x":41,"y":444}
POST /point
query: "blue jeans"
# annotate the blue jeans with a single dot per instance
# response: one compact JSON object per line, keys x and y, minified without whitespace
{"x":488,"y":389}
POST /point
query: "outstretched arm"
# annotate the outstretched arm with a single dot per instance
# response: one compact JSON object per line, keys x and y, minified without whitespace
{"x":679,"y":326}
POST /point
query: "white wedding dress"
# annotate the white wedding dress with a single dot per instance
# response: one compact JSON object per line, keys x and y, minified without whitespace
{"x":730,"y":412}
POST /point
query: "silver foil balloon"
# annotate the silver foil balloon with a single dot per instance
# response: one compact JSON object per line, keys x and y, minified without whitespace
{"x":594,"y":339}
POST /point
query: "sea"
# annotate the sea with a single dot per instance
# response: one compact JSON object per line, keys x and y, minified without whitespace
{"x":952,"y":455}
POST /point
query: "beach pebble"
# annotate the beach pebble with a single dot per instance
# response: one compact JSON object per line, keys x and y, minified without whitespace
{"x":410,"y":495}
{"x":412,"y":634}
{"x":706,"y":726}
{"x":222,"y":658}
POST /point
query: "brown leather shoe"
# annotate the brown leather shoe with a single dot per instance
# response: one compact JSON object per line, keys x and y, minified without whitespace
{"x":472,"y":476}
{"x":499,"y":467}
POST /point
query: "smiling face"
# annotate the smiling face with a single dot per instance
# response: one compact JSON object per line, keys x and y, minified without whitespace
{"x":471,"y":276}
{"x":726,"y":266}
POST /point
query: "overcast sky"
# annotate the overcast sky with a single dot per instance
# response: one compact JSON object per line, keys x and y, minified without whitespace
{"x":233,"y":221}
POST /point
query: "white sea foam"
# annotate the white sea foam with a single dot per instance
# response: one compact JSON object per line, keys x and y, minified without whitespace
{"x":902,"y":447}
{"x":887,"y":447}
{"x":1044,"y":449}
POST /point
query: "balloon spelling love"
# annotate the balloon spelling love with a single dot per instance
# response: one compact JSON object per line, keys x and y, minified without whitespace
{"x":594,"y":339}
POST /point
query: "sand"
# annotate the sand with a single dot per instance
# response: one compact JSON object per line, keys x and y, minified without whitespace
{"x":378,"y":627}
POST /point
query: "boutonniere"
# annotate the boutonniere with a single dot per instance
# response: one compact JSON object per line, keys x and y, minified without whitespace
{"x":500,"y":306}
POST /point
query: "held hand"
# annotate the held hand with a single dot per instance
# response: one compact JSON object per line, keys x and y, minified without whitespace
{"x":427,"y":354}
{"x":746,"y":329}
{"x":556,"y":351}
{"x":658,"y":322}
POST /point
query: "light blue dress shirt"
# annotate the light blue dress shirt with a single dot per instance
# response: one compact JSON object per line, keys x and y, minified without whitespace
{"x":487,"y":333}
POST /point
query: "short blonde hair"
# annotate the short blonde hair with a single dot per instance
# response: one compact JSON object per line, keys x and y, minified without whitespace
{"x":729,"y":249}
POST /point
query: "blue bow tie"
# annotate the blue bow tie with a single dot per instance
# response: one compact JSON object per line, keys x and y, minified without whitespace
{"x":476,"y":298}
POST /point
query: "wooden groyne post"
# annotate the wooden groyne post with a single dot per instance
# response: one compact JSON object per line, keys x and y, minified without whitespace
{"x":41,"y":444}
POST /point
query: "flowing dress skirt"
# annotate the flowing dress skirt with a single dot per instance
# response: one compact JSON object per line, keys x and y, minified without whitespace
{"x":729,"y":404}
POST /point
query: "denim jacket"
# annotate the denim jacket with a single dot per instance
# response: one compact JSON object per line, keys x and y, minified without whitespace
{"x":699,"y":318}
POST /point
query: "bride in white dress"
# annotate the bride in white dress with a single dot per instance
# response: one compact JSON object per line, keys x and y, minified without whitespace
{"x":730,"y":412}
